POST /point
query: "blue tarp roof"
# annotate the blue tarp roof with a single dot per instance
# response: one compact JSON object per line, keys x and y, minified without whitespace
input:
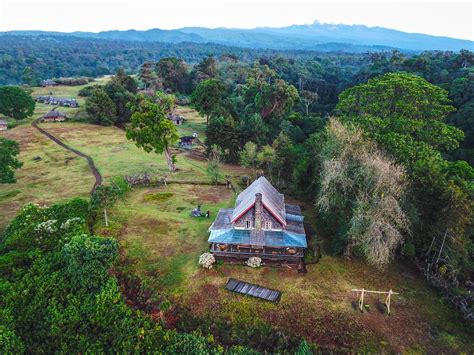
{"x":272,"y":238}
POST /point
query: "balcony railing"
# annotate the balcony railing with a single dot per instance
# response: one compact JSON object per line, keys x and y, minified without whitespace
{"x":248,"y":250}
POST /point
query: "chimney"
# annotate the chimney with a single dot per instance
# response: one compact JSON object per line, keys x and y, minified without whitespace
{"x":258,"y":211}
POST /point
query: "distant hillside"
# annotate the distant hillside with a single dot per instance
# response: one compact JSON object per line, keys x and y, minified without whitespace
{"x":230,"y":38}
{"x":153,"y":35}
{"x":317,"y":36}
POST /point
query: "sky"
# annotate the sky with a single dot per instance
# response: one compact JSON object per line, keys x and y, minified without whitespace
{"x":435,"y":17}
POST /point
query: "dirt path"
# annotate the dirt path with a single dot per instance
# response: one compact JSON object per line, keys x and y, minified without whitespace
{"x":90,"y":161}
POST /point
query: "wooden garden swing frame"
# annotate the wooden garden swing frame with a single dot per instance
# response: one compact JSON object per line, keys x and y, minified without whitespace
{"x":364,"y":291}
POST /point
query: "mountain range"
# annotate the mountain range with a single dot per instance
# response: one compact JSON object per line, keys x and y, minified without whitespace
{"x":316,"y":36}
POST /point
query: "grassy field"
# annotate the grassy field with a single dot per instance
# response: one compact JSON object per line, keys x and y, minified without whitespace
{"x":162,"y":243}
{"x":114,"y":155}
{"x":165,"y":248}
{"x":49,"y":173}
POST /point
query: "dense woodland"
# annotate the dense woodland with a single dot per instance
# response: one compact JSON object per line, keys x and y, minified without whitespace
{"x":28,"y":60}
{"x":382,"y":144}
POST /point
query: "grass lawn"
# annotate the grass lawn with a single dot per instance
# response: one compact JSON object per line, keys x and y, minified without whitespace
{"x":162,"y":244}
{"x":166,"y":248}
{"x":114,"y":155}
{"x":49,"y":174}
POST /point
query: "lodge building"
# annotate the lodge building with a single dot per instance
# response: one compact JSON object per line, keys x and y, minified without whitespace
{"x":261,"y":224}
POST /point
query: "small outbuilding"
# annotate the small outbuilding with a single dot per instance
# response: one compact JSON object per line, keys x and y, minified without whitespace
{"x":3,"y":125}
{"x":54,"y":116}
{"x":178,"y":120}
{"x":186,"y":141}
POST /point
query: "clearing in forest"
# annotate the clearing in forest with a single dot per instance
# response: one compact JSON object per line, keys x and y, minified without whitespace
{"x":161,"y":244}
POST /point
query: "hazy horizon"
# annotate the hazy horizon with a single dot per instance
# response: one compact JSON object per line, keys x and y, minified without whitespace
{"x":240,"y":28}
{"x":448,"y":19}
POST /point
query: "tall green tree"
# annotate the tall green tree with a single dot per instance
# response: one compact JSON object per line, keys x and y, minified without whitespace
{"x":127,"y":81}
{"x":148,"y":76}
{"x":16,"y":102}
{"x":204,"y":70}
{"x":151,"y":130}
{"x":28,"y":76}
{"x":249,"y":156}
{"x":8,"y":162}
{"x":100,"y":108}
{"x":402,"y":104}
{"x":174,"y":74}
{"x":208,"y":98}
{"x":223,"y":132}
{"x":270,"y":95}
{"x":166,"y":101}
{"x":120,"y":96}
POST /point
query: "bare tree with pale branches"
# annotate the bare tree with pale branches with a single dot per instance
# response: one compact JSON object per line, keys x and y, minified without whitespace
{"x":359,"y":181}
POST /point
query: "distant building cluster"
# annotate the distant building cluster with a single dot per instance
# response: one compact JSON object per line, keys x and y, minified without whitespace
{"x":58,"y":101}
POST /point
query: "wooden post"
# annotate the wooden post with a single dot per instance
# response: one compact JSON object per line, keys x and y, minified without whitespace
{"x":387,"y":301}
{"x":361,"y":301}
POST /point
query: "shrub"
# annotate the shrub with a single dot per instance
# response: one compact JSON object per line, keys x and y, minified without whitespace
{"x":88,"y":259}
{"x":88,"y":90}
{"x":254,"y":261}
{"x":409,"y":250}
{"x":206,"y":260}
{"x":72,"y":81}
{"x":46,"y":229}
